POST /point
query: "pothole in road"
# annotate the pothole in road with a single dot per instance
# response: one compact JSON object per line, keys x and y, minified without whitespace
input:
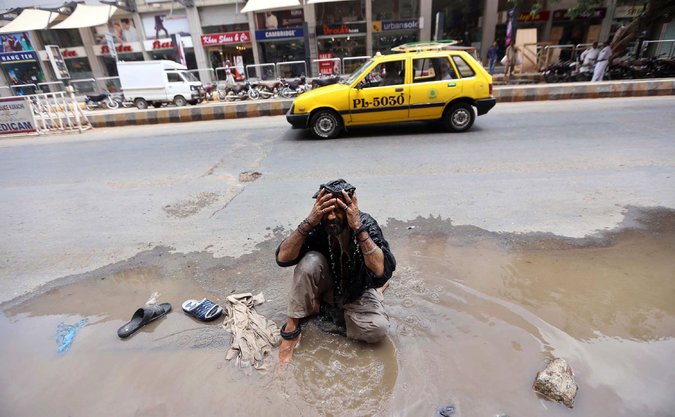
{"x":474,"y":316}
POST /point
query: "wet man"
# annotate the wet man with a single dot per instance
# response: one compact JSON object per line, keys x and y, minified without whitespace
{"x":342,"y":263}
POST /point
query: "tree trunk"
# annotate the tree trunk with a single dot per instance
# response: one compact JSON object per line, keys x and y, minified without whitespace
{"x":656,"y":11}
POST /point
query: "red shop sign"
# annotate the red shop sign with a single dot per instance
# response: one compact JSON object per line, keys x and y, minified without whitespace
{"x":225,"y":38}
{"x":69,"y":53}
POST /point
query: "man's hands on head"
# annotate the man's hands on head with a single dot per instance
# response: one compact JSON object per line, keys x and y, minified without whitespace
{"x":351,"y":207}
{"x":324,"y":203}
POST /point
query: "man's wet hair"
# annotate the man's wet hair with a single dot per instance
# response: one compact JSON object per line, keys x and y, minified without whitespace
{"x":336,"y":187}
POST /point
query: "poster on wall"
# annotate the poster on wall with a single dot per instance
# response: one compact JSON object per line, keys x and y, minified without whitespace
{"x":58,"y":64}
{"x":280,"y":19}
{"x":123,"y":30}
{"x":164,"y":25}
{"x":15,"y":42}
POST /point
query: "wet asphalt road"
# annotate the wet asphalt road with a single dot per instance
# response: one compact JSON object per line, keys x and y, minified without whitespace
{"x":71,"y":204}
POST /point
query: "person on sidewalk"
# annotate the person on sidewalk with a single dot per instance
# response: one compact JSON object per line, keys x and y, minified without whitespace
{"x":511,"y":57}
{"x":601,"y":64}
{"x":342,"y":266}
{"x":492,"y":54}
{"x":589,"y":57}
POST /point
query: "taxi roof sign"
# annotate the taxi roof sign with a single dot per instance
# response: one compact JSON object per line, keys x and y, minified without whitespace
{"x":426,"y":46}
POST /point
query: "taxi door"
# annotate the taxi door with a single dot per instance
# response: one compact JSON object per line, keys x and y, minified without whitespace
{"x":435,"y":83}
{"x":381,"y":96}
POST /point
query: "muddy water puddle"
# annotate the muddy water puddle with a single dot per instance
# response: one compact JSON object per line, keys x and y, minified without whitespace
{"x":474,"y":316}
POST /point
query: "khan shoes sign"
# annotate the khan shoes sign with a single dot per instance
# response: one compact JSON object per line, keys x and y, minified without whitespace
{"x":225,"y":38}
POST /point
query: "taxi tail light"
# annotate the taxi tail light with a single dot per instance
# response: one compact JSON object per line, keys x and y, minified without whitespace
{"x":490,"y":88}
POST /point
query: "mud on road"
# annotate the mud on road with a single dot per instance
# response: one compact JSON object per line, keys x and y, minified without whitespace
{"x":474,"y":316}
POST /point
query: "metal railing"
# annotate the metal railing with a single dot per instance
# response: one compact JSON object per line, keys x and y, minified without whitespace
{"x":84,"y":86}
{"x":111,"y":84}
{"x":51,"y":87}
{"x":551,"y":53}
{"x":23,"y":89}
{"x":291,"y":69}
{"x":660,"y":44}
{"x":352,"y":63}
{"x":255,"y":72}
{"x":58,"y":111}
{"x":205,"y":75}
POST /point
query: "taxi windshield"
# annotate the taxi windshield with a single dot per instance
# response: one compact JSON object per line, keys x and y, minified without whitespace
{"x":357,"y":74}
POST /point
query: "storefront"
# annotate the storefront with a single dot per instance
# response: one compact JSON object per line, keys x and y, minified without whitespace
{"x":72,"y":50}
{"x":583,"y":29}
{"x":341,"y":32}
{"x":226,"y":37}
{"x":459,"y":20}
{"x":229,"y":47}
{"x":526,"y":20}
{"x":280,"y":37}
{"x":394,"y":23}
{"x":163,"y":49}
{"x":19,"y":62}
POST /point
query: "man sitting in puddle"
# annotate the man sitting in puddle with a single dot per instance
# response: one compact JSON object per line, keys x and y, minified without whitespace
{"x":343,"y":265}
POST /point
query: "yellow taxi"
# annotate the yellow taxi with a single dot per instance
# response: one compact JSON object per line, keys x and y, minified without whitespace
{"x":430,"y":81}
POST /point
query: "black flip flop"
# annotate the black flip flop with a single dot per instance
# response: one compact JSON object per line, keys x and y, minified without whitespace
{"x":143,"y":316}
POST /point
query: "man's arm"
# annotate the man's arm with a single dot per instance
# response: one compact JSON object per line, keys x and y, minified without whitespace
{"x":289,"y":250}
{"x":372,"y":254}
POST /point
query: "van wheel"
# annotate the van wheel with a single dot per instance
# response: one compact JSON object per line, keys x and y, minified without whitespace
{"x":193,"y":102}
{"x":459,"y":117}
{"x":325,"y":124}
{"x":141,"y":104}
{"x":179,"y":101}
{"x":156,"y":104}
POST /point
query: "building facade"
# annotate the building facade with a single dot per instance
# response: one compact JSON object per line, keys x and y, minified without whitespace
{"x":309,"y":37}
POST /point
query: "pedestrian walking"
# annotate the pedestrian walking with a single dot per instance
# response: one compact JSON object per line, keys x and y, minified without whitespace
{"x":602,"y":62}
{"x":492,"y":54}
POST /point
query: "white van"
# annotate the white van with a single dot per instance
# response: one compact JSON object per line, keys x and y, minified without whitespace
{"x":158,"y":82}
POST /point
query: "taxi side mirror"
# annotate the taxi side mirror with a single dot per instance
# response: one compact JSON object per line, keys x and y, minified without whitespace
{"x":360,"y":85}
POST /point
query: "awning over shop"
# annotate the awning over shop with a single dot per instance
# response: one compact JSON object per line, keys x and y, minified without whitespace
{"x":86,"y":16}
{"x":30,"y":19}
{"x":267,"y":5}
{"x":322,"y":1}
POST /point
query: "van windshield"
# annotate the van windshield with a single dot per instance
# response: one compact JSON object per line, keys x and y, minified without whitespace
{"x":189,"y":76}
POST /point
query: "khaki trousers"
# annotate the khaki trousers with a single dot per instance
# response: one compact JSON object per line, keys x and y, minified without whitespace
{"x":365,"y":318}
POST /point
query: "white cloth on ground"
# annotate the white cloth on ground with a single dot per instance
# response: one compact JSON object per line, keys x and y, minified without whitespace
{"x":253,"y":336}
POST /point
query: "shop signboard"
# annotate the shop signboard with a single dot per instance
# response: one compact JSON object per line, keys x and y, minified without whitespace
{"x":16,"y":115}
{"x":390,"y":25}
{"x":110,"y":43}
{"x":14,"y":57}
{"x":160,"y":44}
{"x":596,"y":13}
{"x":163,"y":25}
{"x":266,"y":35}
{"x":68,"y":53}
{"x":120,"y":48}
{"x":58,"y":64}
{"x":628,"y":12}
{"x":525,"y":16}
{"x":340,"y":29}
{"x":225,"y":38}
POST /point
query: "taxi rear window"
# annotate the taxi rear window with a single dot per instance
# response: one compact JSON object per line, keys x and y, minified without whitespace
{"x":463,"y":67}
{"x":433,"y":69}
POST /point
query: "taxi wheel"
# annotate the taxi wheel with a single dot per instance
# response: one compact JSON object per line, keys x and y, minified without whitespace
{"x":459,"y":117}
{"x":325,"y":124}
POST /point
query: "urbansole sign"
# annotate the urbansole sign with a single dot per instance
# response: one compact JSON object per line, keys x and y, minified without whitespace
{"x":16,"y":116}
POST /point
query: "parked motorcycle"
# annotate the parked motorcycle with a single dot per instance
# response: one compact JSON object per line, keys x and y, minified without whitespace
{"x":324,"y":81}
{"x":294,"y":87}
{"x":268,"y":89}
{"x":239,"y":91}
{"x":103,"y":101}
{"x":560,"y":72}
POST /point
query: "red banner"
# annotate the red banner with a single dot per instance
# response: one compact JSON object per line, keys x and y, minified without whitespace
{"x":225,"y":38}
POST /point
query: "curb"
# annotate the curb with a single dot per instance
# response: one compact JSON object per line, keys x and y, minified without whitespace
{"x":275,"y":107}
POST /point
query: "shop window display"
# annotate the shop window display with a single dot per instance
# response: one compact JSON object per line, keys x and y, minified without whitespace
{"x":460,"y":20}
{"x":64,"y":38}
{"x":340,"y":12}
{"x":395,"y":10}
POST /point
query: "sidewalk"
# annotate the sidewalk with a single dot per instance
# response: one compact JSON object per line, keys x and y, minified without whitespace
{"x":277,"y":107}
